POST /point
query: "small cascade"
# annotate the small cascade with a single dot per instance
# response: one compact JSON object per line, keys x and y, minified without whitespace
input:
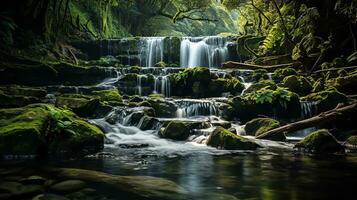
{"x":308,"y":109}
{"x":162,"y":85}
{"x":191,"y":107}
{"x":152,"y":51}
{"x":203,"y":51}
{"x":139,"y":84}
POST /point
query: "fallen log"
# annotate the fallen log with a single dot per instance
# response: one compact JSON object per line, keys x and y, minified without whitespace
{"x":270,"y":68}
{"x":322,"y":119}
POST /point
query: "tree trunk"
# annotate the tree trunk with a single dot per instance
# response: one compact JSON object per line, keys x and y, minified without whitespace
{"x":339,"y":113}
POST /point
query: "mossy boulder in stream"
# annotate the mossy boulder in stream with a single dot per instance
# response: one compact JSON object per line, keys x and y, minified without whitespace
{"x":42,"y":128}
{"x":224,"y":139}
{"x":320,"y":142}
{"x":259,"y":126}
{"x":298,"y":84}
{"x":177,"y":130}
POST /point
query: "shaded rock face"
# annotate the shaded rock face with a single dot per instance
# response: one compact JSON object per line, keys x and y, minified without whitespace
{"x":39,"y":129}
{"x":298,"y":84}
{"x":347,"y":84}
{"x":320,"y":142}
{"x":62,"y":73}
{"x":259,"y":126}
{"x":280,"y":74}
{"x":224,"y":139}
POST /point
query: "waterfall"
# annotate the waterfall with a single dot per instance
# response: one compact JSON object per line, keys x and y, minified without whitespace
{"x":162,"y":85}
{"x":139,"y":84}
{"x":308,"y":109}
{"x":189,"y":108}
{"x":203,"y":51}
{"x":152,"y":51}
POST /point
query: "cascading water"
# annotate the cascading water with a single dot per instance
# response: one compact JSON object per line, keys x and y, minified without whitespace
{"x":203,"y":51}
{"x":189,"y":108}
{"x":308,"y":109}
{"x":162,"y":85}
{"x":139,"y":83}
{"x":152,"y":51}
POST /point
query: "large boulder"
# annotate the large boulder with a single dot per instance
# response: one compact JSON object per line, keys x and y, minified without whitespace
{"x":297,"y":84}
{"x":326,"y":100}
{"x":259,"y":126}
{"x":320,"y":142}
{"x":42,"y":128}
{"x":162,"y":107}
{"x":347,"y":84}
{"x":177,"y":130}
{"x":224,"y":139}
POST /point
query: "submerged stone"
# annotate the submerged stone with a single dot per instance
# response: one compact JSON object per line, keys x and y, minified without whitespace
{"x":224,"y":139}
{"x":320,"y":142}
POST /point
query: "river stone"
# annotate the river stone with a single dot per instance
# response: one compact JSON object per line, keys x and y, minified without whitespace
{"x":320,"y":142}
{"x":33,"y":180}
{"x":177,"y":130}
{"x":259,"y":126}
{"x":224,"y":139}
{"x":68,"y":186}
{"x":19,"y":190}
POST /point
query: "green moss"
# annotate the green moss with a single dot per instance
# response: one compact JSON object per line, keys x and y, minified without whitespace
{"x":280,"y":74}
{"x":112,"y":96}
{"x":222,"y":138}
{"x":298,"y":84}
{"x":347,"y":84}
{"x":177,"y":130}
{"x":352,"y":140}
{"x":327,"y":99}
{"x":261,"y":84}
{"x":135,"y":69}
{"x":42,"y":128}
{"x":161,"y":64}
{"x":260,"y":74}
{"x":320,"y":141}
{"x":259,"y":126}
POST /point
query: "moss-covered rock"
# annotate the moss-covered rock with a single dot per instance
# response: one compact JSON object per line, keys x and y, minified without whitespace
{"x":279,"y":103}
{"x":23,"y":91}
{"x":42,"y":129}
{"x":259,"y":126}
{"x":261,"y":84}
{"x":177,"y":130}
{"x":327,"y":99}
{"x":260,"y":74}
{"x":280,"y":74}
{"x":162,"y":107}
{"x":321,"y":142}
{"x":297,"y":84}
{"x":347,"y":84}
{"x":12,"y":96}
{"x":112,"y":96}
{"x":220,"y":85}
{"x":161,"y":64}
{"x":224,"y":139}
{"x":83,"y":105}
{"x":352,"y":141}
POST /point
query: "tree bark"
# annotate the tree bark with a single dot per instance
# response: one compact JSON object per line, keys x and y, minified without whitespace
{"x":320,"y":120}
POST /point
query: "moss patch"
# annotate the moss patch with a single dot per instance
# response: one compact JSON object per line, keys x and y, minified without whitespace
{"x":224,"y":139}
{"x":259,"y":126}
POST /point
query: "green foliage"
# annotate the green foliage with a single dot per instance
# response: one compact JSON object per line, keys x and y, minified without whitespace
{"x":267,"y":95}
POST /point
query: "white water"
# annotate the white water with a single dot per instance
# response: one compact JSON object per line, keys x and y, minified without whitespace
{"x":203,"y":51}
{"x":152,"y":51}
{"x":308,"y":109}
{"x":193,"y":107}
{"x":162,"y":85}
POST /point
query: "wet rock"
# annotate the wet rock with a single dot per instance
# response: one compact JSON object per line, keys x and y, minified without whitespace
{"x":177,"y":130}
{"x":224,"y":139}
{"x":140,"y":187}
{"x":259,"y":126}
{"x":320,"y":142}
{"x":260,"y":74}
{"x":298,"y":84}
{"x":18,"y":190}
{"x":147,"y":123}
{"x":347,"y":84}
{"x":68,"y":186}
{"x":33,"y":180}
{"x":162,"y":107}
